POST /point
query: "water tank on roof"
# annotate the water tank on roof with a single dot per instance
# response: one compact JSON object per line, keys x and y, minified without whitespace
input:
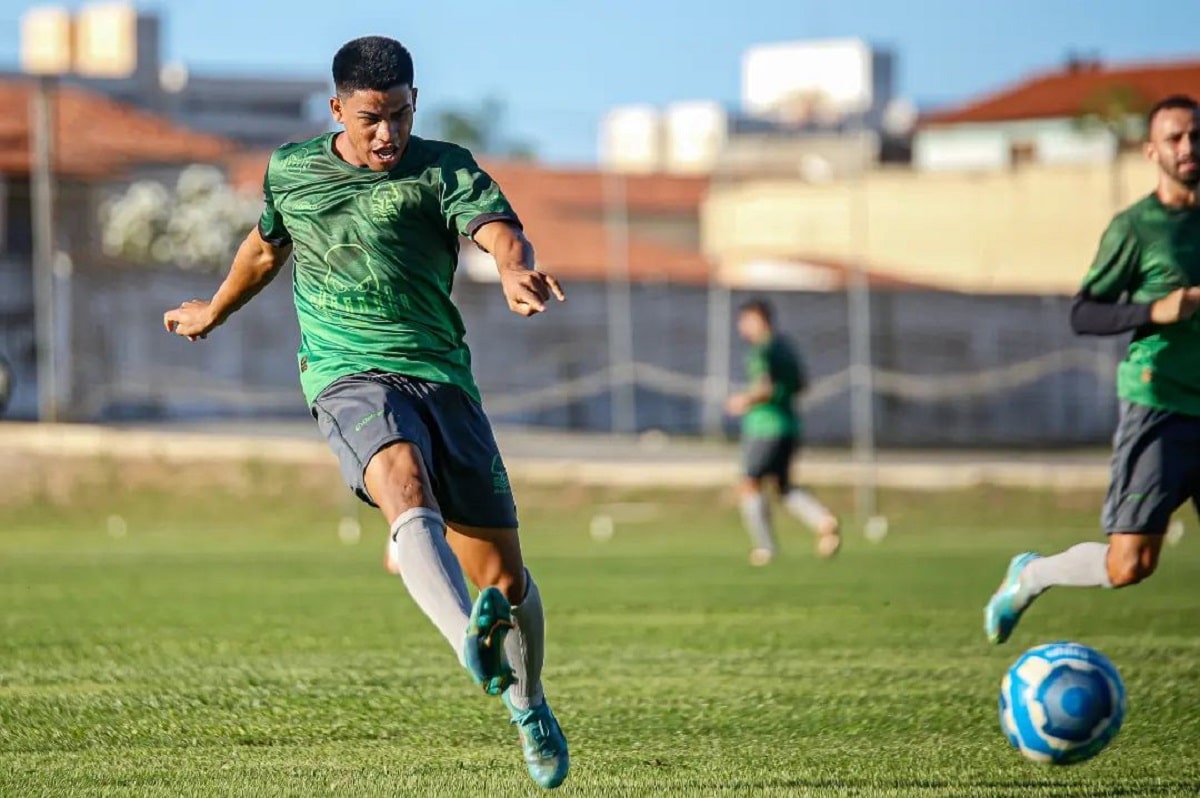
{"x":695,"y":134}
{"x":631,"y":139}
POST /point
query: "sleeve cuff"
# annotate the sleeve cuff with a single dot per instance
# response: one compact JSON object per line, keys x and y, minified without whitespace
{"x":278,"y":240}
{"x":487,"y":218}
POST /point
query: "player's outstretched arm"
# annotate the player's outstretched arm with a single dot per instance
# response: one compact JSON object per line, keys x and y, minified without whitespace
{"x":1094,"y":317}
{"x":254,"y":266}
{"x":525,"y":288}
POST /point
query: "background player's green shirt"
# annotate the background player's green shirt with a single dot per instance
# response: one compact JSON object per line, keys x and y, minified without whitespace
{"x":777,"y":417}
{"x":1147,"y":251}
{"x":375,"y":255}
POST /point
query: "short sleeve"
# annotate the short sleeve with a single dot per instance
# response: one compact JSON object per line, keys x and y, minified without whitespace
{"x":270,"y":224}
{"x":470,"y":197}
{"x":1115,"y":268}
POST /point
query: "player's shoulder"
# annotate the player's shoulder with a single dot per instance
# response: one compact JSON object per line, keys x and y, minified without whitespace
{"x":1128,"y":219}
{"x":295,"y":155}
{"x":438,"y":154}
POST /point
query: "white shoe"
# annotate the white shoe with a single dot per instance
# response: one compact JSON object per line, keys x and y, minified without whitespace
{"x":829,"y":538}
{"x":761,"y":557}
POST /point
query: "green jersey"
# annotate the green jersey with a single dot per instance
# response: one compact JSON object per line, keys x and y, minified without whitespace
{"x":375,"y":255}
{"x":1148,"y":251}
{"x":779,"y":363}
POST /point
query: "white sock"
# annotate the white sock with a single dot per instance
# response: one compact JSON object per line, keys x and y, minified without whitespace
{"x":757,"y":518}
{"x":431,"y":573}
{"x":1082,"y":565}
{"x":805,"y":506}
{"x":525,"y":647}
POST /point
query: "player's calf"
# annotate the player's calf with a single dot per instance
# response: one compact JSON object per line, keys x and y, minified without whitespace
{"x":1132,"y":558}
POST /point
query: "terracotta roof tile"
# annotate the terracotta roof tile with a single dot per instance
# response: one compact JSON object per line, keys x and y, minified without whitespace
{"x":1068,"y":92}
{"x":97,"y":136}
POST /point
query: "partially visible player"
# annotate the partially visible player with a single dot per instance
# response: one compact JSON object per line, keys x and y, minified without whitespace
{"x":373,"y":215}
{"x":772,"y":430}
{"x":1144,"y":279}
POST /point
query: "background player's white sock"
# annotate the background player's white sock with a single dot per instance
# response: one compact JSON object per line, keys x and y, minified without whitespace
{"x":1082,"y":565}
{"x":805,"y":506}
{"x":756,"y":515}
{"x":525,"y":647}
{"x":431,"y":572}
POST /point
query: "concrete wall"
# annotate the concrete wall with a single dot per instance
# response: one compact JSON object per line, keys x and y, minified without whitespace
{"x":552,"y":371}
{"x":1028,"y":230}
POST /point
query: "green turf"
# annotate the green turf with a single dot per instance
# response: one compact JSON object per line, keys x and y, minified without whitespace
{"x":223,"y":647}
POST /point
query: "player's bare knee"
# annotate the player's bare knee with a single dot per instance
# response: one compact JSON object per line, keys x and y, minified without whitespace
{"x":749,"y":488}
{"x":397,"y":480}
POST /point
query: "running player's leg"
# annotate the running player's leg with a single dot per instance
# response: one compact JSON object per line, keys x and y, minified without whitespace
{"x":375,"y":428}
{"x":1155,"y":463}
{"x":475,"y":493}
{"x":805,"y":506}
{"x":759,"y":458}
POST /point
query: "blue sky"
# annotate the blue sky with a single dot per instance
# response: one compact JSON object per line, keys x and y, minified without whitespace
{"x":560,"y":64}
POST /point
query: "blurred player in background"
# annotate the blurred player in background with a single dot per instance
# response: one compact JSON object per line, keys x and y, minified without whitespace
{"x":1144,"y":279}
{"x":373,"y":216}
{"x":772,"y":431}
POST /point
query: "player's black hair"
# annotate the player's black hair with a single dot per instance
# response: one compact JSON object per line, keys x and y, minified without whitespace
{"x":1170,"y":103}
{"x":371,"y":63}
{"x":758,"y":306}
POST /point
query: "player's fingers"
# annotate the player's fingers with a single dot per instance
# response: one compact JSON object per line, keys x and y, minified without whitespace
{"x":536,"y":283}
{"x":525,"y":296}
{"x":555,"y":288}
{"x":169,"y":321}
{"x":521,"y":308}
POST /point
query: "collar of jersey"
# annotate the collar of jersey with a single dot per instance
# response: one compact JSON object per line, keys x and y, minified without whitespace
{"x":328,"y":149}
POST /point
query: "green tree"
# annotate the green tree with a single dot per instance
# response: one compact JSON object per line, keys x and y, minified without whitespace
{"x":481,"y":130}
{"x":1118,"y":110}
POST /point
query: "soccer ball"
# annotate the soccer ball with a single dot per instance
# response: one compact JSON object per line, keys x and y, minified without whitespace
{"x":1061,"y":703}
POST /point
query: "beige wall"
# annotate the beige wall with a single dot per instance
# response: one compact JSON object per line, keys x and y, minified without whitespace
{"x":1031,"y":230}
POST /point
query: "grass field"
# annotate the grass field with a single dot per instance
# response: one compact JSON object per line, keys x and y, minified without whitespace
{"x":207,"y":645}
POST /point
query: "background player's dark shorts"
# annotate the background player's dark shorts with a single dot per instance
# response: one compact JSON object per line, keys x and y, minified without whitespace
{"x":770,"y":457}
{"x":1155,"y":469}
{"x":362,"y":413}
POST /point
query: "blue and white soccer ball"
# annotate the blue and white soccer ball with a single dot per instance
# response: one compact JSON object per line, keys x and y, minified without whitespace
{"x":1061,"y":703}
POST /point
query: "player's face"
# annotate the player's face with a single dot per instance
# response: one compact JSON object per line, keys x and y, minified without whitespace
{"x":378,"y":124}
{"x":1175,"y":145}
{"x":752,"y":327}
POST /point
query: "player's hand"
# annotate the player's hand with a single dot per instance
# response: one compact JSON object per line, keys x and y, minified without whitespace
{"x":1179,"y":305}
{"x":737,"y":405}
{"x":527,"y":290}
{"x":193,"y":320}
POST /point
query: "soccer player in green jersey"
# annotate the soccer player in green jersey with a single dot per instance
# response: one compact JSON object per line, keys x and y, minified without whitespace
{"x":771,"y":435}
{"x":372,"y":215}
{"x":1144,"y":279}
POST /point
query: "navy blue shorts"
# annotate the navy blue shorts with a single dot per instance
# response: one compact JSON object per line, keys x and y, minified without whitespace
{"x":361,"y":414}
{"x":770,"y":458}
{"x":1155,"y":469}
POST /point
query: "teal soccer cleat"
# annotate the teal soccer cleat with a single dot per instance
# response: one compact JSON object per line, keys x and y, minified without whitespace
{"x":542,"y":743}
{"x":483,"y":646}
{"x":1004,"y":609}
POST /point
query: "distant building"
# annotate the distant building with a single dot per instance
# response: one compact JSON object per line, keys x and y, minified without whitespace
{"x":251,"y":109}
{"x":109,"y":141}
{"x":1050,"y":118}
{"x":818,"y":109}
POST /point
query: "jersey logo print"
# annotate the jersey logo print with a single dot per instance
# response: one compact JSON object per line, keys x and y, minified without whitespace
{"x":297,"y":161}
{"x":384,"y":205}
{"x":351,"y":284}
